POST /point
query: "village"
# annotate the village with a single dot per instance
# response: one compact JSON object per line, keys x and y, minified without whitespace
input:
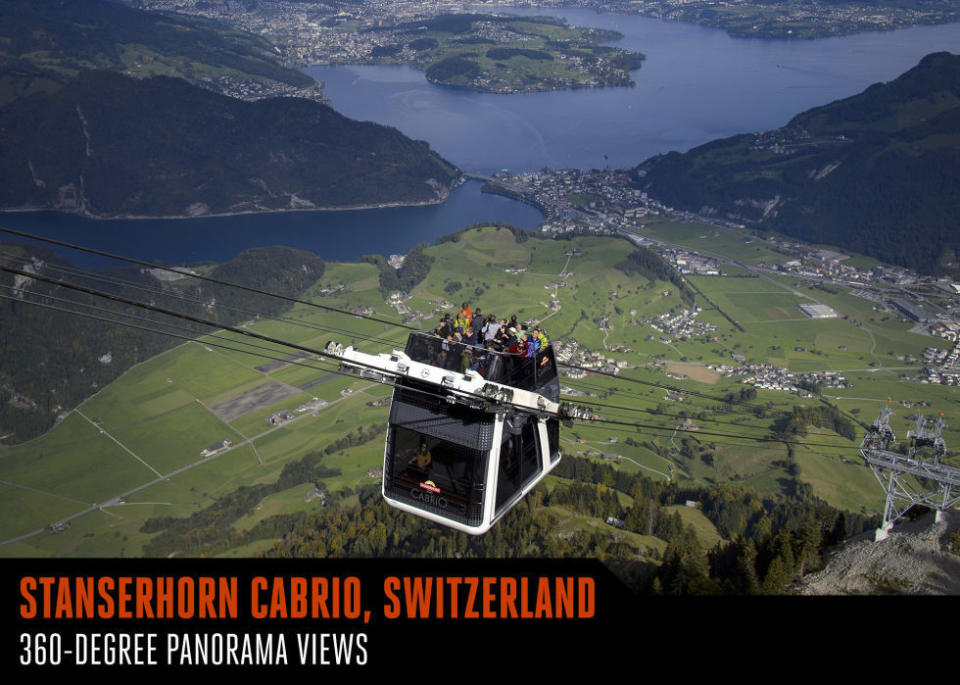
{"x":603,"y":202}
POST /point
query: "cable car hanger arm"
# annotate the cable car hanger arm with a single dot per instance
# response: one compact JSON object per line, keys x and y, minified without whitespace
{"x":468,"y":387}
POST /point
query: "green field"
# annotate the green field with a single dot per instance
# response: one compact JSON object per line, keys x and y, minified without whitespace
{"x":142,"y":436}
{"x":706,"y":532}
{"x":712,"y":240}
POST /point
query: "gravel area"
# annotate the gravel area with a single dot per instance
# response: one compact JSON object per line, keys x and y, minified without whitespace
{"x":912,"y":561}
{"x":252,"y":400}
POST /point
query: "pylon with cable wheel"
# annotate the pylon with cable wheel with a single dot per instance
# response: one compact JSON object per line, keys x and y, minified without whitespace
{"x":915,"y":478}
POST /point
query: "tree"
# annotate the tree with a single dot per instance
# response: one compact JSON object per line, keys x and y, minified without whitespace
{"x":684,"y":565}
{"x":808,"y":540}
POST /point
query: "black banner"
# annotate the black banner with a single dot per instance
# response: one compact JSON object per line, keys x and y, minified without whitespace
{"x":337,"y":615}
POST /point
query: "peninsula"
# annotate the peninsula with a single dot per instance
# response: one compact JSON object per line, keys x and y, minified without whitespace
{"x":500,"y":54}
{"x":493,"y":53}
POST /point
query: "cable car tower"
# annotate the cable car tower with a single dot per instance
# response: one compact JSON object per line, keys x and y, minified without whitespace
{"x":471,"y":430}
{"x":918,"y":477}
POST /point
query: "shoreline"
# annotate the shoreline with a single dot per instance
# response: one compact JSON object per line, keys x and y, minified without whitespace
{"x":494,"y":188}
{"x":818,"y":33}
{"x":137,"y":217}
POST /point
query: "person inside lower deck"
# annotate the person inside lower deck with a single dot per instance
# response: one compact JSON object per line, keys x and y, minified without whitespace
{"x":445,"y":466}
{"x":422,"y":459}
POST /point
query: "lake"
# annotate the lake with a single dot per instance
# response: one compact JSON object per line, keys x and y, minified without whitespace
{"x":334,"y":235}
{"x":697,"y":84}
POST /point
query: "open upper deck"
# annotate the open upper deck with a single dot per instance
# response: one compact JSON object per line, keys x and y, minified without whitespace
{"x":536,"y":374}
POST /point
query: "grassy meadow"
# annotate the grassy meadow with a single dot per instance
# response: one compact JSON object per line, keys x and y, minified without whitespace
{"x":132,"y":452}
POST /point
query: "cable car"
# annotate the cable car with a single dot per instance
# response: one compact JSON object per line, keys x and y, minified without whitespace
{"x":464,"y":447}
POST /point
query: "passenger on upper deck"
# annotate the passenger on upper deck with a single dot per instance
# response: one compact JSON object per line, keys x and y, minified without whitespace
{"x":490,"y":329}
{"x":502,"y":337}
{"x":445,"y":328}
{"x":469,"y":340}
{"x":533,"y":345}
{"x":540,"y":337}
{"x":459,"y":346}
{"x":518,"y":347}
{"x":465,"y":314}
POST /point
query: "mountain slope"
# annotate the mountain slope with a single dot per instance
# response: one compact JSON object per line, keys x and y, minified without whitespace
{"x":45,"y":44}
{"x":878,"y":173}
{"x":53,"y":360}
{"x":109,"y":145}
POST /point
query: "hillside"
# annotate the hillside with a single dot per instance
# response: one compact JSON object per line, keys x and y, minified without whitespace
{"x":685,"y":493}
{"x":112,"y":111}
{"x":52,"y":361}
{"x":878,"y":173}
{"x":168,"y":409}
{"x":108,"y":145}
{"x":911,"y":561}
{"x":45,"y":44}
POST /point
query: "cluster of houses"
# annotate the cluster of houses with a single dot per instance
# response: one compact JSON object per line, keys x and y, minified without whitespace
{"x":769,"y":377}
{"x":683,"y":325}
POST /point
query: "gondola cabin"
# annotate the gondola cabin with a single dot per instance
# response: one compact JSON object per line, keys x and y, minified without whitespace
{"x":464,"y":446}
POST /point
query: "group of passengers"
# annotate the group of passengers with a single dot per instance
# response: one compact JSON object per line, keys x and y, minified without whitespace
{"x":478,"y":342}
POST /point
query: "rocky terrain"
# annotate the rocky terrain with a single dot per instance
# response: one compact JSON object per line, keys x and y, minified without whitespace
{"x":913,"y":560}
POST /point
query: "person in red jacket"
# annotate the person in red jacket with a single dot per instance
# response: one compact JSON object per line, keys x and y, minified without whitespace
{"x":519,"y":346}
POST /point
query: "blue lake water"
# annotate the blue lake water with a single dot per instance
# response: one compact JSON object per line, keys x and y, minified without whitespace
{"x":335,"y":235}
{"x":697,"y":84}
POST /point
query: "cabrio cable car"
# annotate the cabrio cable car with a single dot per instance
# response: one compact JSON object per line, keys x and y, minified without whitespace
{"x":464,"y":447}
